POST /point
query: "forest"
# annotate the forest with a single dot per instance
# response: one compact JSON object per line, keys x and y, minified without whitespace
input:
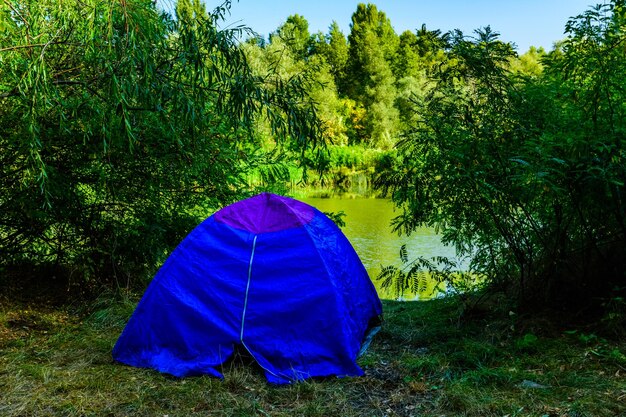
{"x":123,"y":126}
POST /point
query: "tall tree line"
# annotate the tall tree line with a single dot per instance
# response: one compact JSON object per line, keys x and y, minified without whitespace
{"x":364,"y":79}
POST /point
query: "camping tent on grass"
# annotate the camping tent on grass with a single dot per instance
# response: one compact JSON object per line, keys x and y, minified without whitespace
{"x":268,"y":274}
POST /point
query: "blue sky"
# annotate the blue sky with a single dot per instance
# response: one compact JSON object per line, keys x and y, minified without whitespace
{"x":525,"y":22}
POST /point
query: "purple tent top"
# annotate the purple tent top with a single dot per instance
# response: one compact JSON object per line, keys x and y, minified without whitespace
{"x":265,"y":213}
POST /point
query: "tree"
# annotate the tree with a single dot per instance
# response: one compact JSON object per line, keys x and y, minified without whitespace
{"x":120,"y":128}
{"x":525,"y":174}
{"x":295,"y":34}
{"x":372,"y":49}
{"x":408,"y":58}
{"x":334,"y":48}
{"x":529,"y":64}
{"x":411,"y":78}
{"x":430,"y":42}
{"x":279,"y":58}
{"x":189,"y":11}
{"x":371,"y":34}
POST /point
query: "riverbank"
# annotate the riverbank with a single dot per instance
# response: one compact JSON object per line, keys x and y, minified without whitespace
{"x":56,"y":361}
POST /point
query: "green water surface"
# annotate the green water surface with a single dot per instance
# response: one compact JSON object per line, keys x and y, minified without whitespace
{"x":368,"y":229}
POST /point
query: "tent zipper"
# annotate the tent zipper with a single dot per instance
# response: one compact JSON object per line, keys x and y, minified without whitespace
{"x":245,"y":302}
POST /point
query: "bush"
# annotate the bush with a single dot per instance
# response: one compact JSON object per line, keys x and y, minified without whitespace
{"x":526,"y":175}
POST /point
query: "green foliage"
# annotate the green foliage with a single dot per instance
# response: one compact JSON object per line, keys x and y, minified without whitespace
{"x":121,"y":128}
{"x":529,"y":64}
{"x":331,"y":110}
{"x":365,"y":85}
{"x":357,"y":158}
{"x":525,"y":174}
{"x":346,"y":169}
{"x":528,"y":342}
{"x":407,"y":60}
{"x":334,"y":48}
{"x":295,"y":33}
{"x":337,"y":217}
{"x":282,"y":59}
{"x":416,"y":274}
{"x":419,"y":51}
{"x":419,"y":54}
{"x":372,"y":49}
{"x":189,"y":11}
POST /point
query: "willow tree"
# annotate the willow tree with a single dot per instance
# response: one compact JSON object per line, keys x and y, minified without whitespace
{"x":120,"y":127}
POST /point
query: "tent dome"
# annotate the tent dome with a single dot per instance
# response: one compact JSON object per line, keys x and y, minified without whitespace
{"x":270,"y":274}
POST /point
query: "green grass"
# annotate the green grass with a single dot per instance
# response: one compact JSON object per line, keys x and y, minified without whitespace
{"x":57,"y":362}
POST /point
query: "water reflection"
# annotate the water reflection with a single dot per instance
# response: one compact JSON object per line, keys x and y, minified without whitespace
{"x":368,"y":229}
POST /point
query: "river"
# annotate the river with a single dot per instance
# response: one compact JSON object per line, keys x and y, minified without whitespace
{"x":368,"y":229}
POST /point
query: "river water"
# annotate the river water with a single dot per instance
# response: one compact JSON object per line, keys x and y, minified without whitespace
{"x":368,"y":229}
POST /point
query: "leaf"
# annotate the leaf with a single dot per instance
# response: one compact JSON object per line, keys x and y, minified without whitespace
{"x":386,"y":275}
{"x":404,"y":254}
{"x":519,"y":161}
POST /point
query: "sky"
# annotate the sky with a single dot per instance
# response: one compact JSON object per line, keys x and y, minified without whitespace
{"x":525,"y":22}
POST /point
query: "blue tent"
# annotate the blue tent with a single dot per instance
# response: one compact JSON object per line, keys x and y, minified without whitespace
{"x":270,"y":274}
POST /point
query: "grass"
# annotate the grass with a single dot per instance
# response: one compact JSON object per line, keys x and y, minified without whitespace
{"x":56,"y":361}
